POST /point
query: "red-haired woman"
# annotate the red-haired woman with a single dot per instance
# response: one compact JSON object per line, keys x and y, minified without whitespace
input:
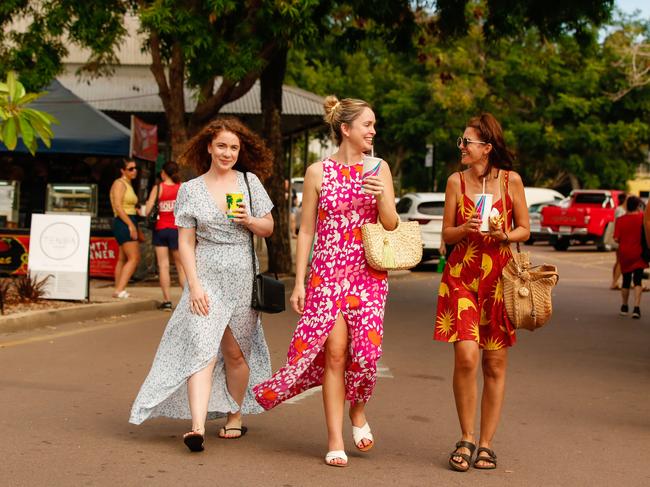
{"x":214,"y":346}
{"x":470,"y":312}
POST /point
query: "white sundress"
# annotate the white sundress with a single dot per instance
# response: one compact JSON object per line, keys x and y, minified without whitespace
{"x":224,"y":267}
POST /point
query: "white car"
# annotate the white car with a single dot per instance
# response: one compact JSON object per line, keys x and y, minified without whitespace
{"x":542,"y":195}
{"x":427,"y":209}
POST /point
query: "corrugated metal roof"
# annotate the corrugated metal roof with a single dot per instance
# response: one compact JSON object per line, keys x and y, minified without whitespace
{"x":133,"y":89}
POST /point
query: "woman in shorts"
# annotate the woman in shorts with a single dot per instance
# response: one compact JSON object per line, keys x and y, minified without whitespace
{"x":125,"y":226}
{"x":165,"y":234}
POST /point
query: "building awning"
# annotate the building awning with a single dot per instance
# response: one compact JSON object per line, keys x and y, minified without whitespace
{"x":82,"y":129}
{"x":133,"y":89}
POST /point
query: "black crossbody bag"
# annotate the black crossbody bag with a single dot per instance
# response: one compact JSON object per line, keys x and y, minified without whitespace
{"x":152,"y":218}
{"x":268,"y":293}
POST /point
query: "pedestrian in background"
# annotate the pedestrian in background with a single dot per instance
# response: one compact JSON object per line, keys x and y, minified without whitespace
{"x":618,"y":211}
{"x":165,"y":233}
{"x":471,"y":313}
{"x":337,"y":342}
{"x":213,"y":346}
{"x":125,"y":226}
{"x":628,"y":235}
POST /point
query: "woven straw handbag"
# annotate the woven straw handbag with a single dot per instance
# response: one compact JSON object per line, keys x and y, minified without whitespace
{"x":527,"y":289}
{"x":388,"y":250}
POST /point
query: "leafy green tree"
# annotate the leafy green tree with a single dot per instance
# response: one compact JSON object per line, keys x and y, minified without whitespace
{"x":17,"y":119}
{"x":553,"y":96}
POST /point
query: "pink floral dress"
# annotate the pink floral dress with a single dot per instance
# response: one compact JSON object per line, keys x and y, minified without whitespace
{"x":340,"y":281}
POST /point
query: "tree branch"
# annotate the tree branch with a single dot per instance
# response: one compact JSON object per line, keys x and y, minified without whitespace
{"x":158,"y":70}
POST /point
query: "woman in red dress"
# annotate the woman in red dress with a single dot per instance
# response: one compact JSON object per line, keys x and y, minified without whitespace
{"x":470,"y":312}
{"x":627,"y":233}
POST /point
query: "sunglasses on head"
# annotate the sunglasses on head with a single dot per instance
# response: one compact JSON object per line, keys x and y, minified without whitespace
{"x":464,"y":142}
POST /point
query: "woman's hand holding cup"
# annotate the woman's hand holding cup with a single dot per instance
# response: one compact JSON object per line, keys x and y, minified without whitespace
{"x":241,"y":216}
{"x":373,"y":185}
{"x":472,"y":225}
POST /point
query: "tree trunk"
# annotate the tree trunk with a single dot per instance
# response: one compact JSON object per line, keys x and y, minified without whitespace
{"x":271,"y":98}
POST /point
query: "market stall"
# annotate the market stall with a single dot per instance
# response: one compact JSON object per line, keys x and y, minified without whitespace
{"x":72,"y":176}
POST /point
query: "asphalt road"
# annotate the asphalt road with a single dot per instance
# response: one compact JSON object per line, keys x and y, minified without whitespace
{"x":577,"y":408}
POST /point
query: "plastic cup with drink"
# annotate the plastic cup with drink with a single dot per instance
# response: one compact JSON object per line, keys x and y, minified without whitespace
{"x":483,"y":207}
{"x":371,"y":165}
{"x":232,"y":203}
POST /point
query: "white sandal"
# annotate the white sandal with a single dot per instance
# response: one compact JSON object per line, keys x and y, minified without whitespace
{"x":336,"y":454}
{"x":360,"y":434}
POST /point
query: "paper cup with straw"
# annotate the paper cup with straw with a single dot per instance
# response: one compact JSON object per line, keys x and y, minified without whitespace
{"x":371,"y":165}
{"x":483,"y":207}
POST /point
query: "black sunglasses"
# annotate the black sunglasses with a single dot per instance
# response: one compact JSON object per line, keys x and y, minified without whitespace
{"x":132,"y":168}
{"x":464,"y":142}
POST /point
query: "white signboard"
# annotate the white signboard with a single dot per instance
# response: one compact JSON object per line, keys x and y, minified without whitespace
{"x":58,"y":247}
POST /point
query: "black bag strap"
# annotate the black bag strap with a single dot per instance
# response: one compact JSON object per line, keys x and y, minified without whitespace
{"x":250,"y":205}
{"x":267,"y":240}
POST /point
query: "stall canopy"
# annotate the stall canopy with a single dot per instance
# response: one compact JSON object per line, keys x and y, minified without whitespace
{"x":82,"y":128}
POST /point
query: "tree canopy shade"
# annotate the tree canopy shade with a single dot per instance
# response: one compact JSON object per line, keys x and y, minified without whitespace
{"x":82,"y":129}
{"x":553,"y":97}
{"x":502,"y":18}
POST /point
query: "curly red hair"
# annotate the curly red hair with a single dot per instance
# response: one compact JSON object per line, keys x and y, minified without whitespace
{"x":254,"y":155}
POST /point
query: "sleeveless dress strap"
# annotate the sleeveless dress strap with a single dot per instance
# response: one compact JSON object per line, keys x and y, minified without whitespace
{"x":462,"y":182}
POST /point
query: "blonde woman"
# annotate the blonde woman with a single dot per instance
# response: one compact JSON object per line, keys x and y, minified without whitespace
{"x":125,"y":226}
{"x":337,"y":342}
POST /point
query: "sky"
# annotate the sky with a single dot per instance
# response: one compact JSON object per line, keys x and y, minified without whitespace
{"x":629,"y":6}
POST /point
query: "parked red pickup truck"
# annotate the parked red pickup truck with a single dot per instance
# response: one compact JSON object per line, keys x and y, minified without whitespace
{"x":585,"y":220}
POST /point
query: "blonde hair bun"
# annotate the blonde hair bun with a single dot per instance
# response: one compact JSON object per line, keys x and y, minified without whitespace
{"x":330,"y":104}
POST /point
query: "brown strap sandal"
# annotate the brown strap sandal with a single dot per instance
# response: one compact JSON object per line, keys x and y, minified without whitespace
{"x":490,"y":459}
{"x":462,"y":466}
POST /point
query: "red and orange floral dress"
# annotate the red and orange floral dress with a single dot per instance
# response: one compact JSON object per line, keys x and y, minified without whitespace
{"x":470,"y":297}
{"x":340,"y":282}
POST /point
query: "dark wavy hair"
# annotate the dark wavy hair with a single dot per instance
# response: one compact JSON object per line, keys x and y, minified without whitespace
{"x":254,"y":155}
{"x":490,"y":131}
{"x":171,"y":169}
{"x":633,"y":203}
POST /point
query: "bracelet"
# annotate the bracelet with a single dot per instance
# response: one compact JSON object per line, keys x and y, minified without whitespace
{"x":507,"y":240}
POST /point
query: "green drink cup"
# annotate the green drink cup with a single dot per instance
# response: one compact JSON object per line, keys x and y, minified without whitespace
{"x":232,"y":203}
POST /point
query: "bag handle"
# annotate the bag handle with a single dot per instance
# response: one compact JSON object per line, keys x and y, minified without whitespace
{"x":504,"y":208}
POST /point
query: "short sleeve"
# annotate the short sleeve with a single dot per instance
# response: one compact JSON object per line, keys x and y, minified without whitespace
{"x":262,"y":204}
{"x":183,"y":209}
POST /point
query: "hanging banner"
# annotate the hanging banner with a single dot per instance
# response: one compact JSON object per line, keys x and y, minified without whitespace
{"x":59,"y":248}
{"x":144,"y":140}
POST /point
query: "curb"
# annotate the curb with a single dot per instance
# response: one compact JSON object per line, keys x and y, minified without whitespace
{"x":30,"y":320}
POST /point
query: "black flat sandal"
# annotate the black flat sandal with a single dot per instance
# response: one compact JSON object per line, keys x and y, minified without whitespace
{"x":242,"y":432}
{"x":194,"y":441}
{"x":459,"y":466}
{"x":491,"y":458}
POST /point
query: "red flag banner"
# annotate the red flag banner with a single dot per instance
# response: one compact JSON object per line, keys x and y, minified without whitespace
{"x":144,"y":140}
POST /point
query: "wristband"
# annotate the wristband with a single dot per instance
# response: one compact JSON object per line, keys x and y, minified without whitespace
{"x":507,"y":240}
